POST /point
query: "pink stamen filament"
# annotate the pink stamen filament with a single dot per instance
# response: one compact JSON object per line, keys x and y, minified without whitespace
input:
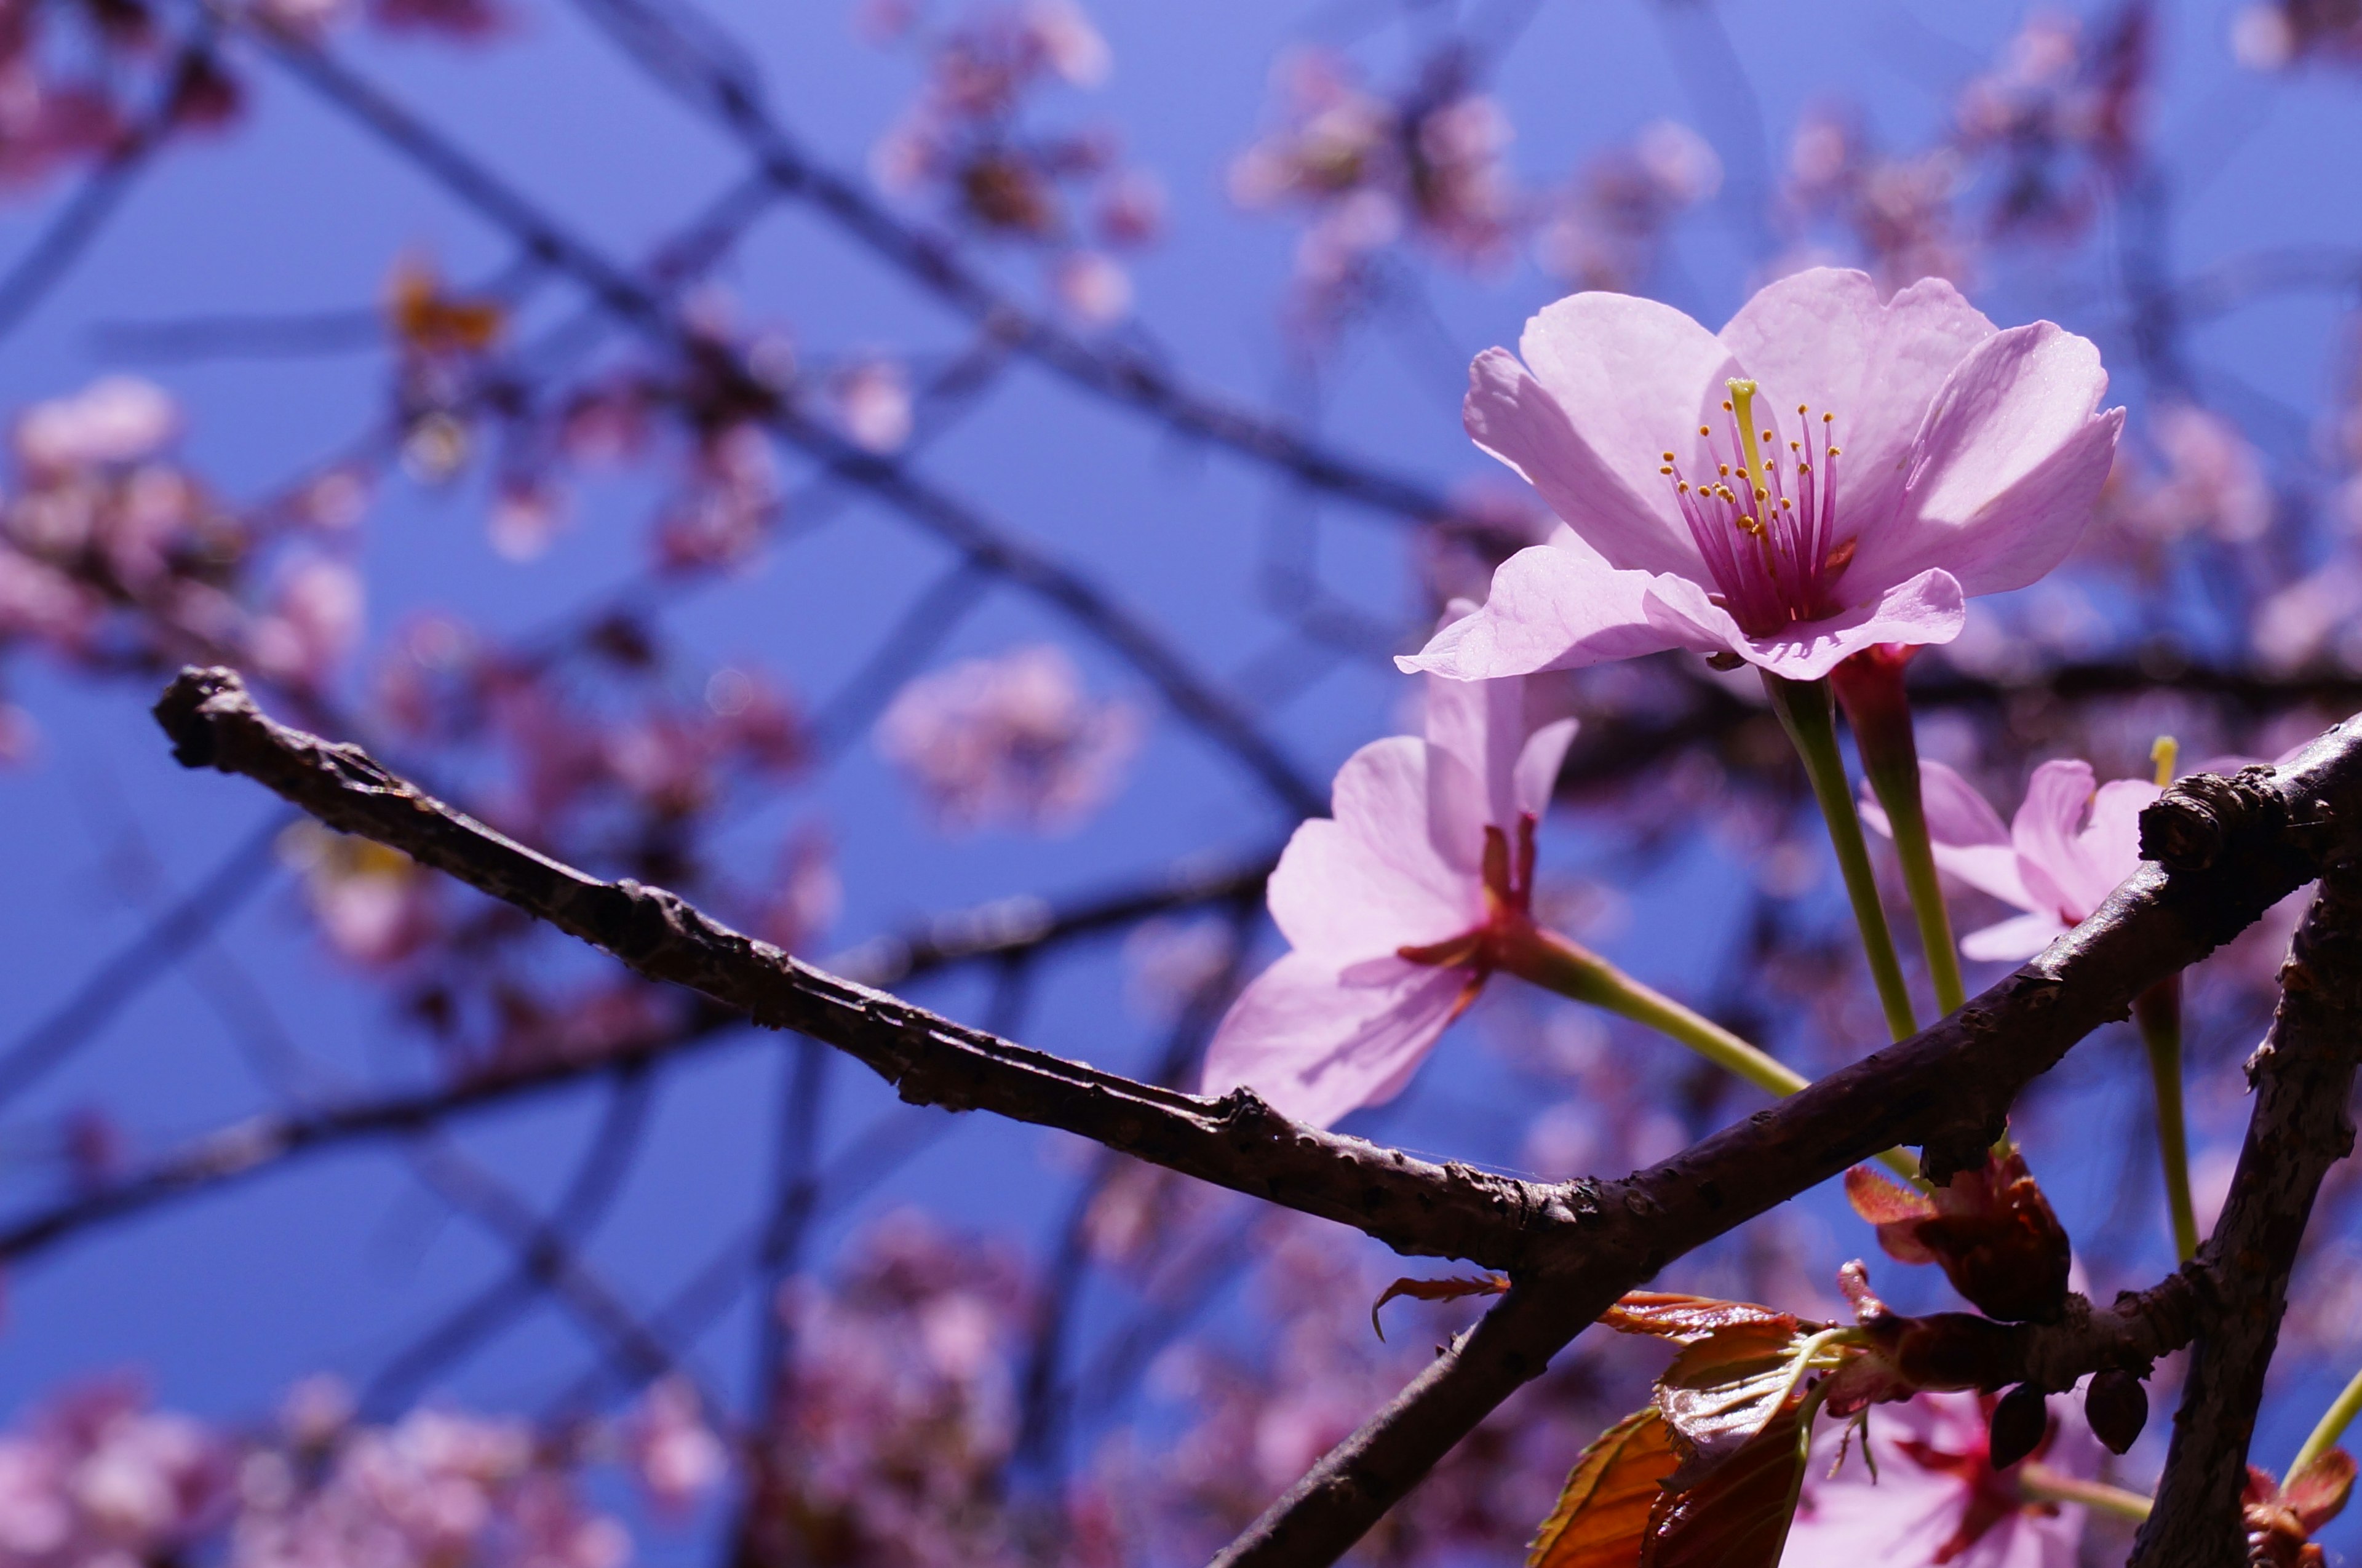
{"x":1766,"y":529}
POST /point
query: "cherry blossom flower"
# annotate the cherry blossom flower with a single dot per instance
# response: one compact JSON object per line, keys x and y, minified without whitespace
{"x":1013,"y":740}
{"x":673,"y":1450}
{"x":97,"y":1477}
{"x":1971,"y":458}
{"x":2062,"y":854}
{"x":114,"y":421}
{"x":1417,"y":857}
{"x":1936,"y":1498}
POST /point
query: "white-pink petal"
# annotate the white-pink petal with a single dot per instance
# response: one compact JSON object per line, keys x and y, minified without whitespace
{"x":1552,"y":607}
{"x":1927,"y":609}
{"x":1317,"y":1042}
{"x":2014,"y":940}
{"x":1823,"y":337}
{"x":1633,"y":378}
{"x":2005,"y":470}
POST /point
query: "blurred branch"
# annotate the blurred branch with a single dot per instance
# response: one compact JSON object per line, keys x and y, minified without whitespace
{"x":147,"y":958}
{"x":978,"y":540}
{"x":692,"y":56}
{"x":2221,"y":852}
{"x":2303,"y":1079}
{"x":598,"y":1178}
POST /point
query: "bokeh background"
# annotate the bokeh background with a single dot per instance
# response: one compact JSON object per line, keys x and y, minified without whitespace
{"x":512,"y":542}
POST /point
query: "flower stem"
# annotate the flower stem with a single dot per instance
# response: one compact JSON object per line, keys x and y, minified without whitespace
{"x":2159,"y":1010}
{"x":1557,"y":963}
{"x":2039,"y":1482}
{"x":2334,"y":1422}
{"x":1805,"y":713}
{"x":1869,"y":685}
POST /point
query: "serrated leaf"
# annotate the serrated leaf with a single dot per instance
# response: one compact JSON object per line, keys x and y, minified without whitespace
{"x":1737,"y":1516}
{"x":1686,"y":1320}
{"x":1438,"y":1290}
{"x":1725,"y":1389}
{"x":1603,"y":1513}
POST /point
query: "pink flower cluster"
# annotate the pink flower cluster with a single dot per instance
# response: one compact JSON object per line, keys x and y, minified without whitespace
{"x":1365,"y":171}
{"x":963,"y":144}
{"x":1012,"y":741}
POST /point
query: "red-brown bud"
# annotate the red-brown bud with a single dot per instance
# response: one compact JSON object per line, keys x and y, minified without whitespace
{"x":2019,"y":1420}
{"x":1992,"y":1231}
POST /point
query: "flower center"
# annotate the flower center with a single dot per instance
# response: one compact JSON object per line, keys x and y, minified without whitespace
{"x":1766,"y":523}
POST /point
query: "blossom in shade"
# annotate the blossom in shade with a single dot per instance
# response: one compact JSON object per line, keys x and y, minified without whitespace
{"x":2061,"y":856}
{"x":1385,"y":902}
{"x":1827,"y":473}
{"x":1936,"y":1497}
{"x":674,"y":1451}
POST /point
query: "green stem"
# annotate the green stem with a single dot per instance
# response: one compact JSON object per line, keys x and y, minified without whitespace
{"x":1804,"y":712}
{"x":1909,"y":821}
{"x":1553,"y":962}
{"x":2039,"y":1482}
{"x":1869,"y":687}
{"x":2334,"y":1422}
{"x":2158,"y":1009}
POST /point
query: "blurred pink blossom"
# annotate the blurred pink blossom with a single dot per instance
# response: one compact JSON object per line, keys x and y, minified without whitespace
{"x":95,"y":1477}
{"x":1971,"y":460}
{"x":1935,"y":1497}
{"x":2063,"y":853}
{"x":1009,"y":741}
{"x":115,"y":420}
{"x":673,"y":1452}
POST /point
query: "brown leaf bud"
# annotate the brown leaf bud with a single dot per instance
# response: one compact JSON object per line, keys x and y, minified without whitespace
{"x":2019,"y":1420}
{"x":2117,"y":1405}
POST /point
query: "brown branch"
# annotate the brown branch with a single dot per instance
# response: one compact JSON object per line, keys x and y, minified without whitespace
{"x":2227,"y":849}
{"x":1237,"y":1142}
{"x":2303,"y":1074}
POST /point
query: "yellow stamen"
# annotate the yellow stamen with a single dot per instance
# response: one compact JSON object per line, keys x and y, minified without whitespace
{"x":2164,"y":755}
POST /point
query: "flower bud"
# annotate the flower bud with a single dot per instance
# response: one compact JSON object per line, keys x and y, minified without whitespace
{"x":2018,"y":1422}
{"x":2117,"y":1407}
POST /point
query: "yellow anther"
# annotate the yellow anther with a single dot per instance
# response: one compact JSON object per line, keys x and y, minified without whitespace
{"x":1726,"y":405}
{"x":1800,"y":410}
{"x":1665,"y":471}
{"x":1768,"y":437}
{"x":1668,"y":457}
{"x":1827,"y":417}
{"x":2164,"y":755}
{"x":1762,"y":494}
{"x":1703,"y":431}
{"x":1835,"y":451}
{"x":1723,"y":469}
{"x":1787,"y":506}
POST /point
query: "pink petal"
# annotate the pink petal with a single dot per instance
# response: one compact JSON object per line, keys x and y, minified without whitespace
{"x":1477,"y":727}
{"x":2005,"y":470}
{"x":1628,"y":379}
{"x":2108,"y":850}
{"x":1927,"y":609}
{"x":1538,"y":765}
{"x":2014,"y":940}
{"x":1551,"y":608}
{"x":1823,"y":337}
{"x":2045,"y":829}
{"x":1369,"y":881}
{"x":1316,"y":1044}
{"x":1968,"y":837}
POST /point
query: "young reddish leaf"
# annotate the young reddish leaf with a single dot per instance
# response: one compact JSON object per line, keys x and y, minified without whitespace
{"x":1895,"y":1211}
{"x":1602,"y":1518}
{"x":1725,"y":1389}
{"x":2318,"y":1492}
{"x":1737,"y":1516}
{"x":1436,"y":1290}
{"x":1883,"y":1202}
{"x":1686,"y":1320}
